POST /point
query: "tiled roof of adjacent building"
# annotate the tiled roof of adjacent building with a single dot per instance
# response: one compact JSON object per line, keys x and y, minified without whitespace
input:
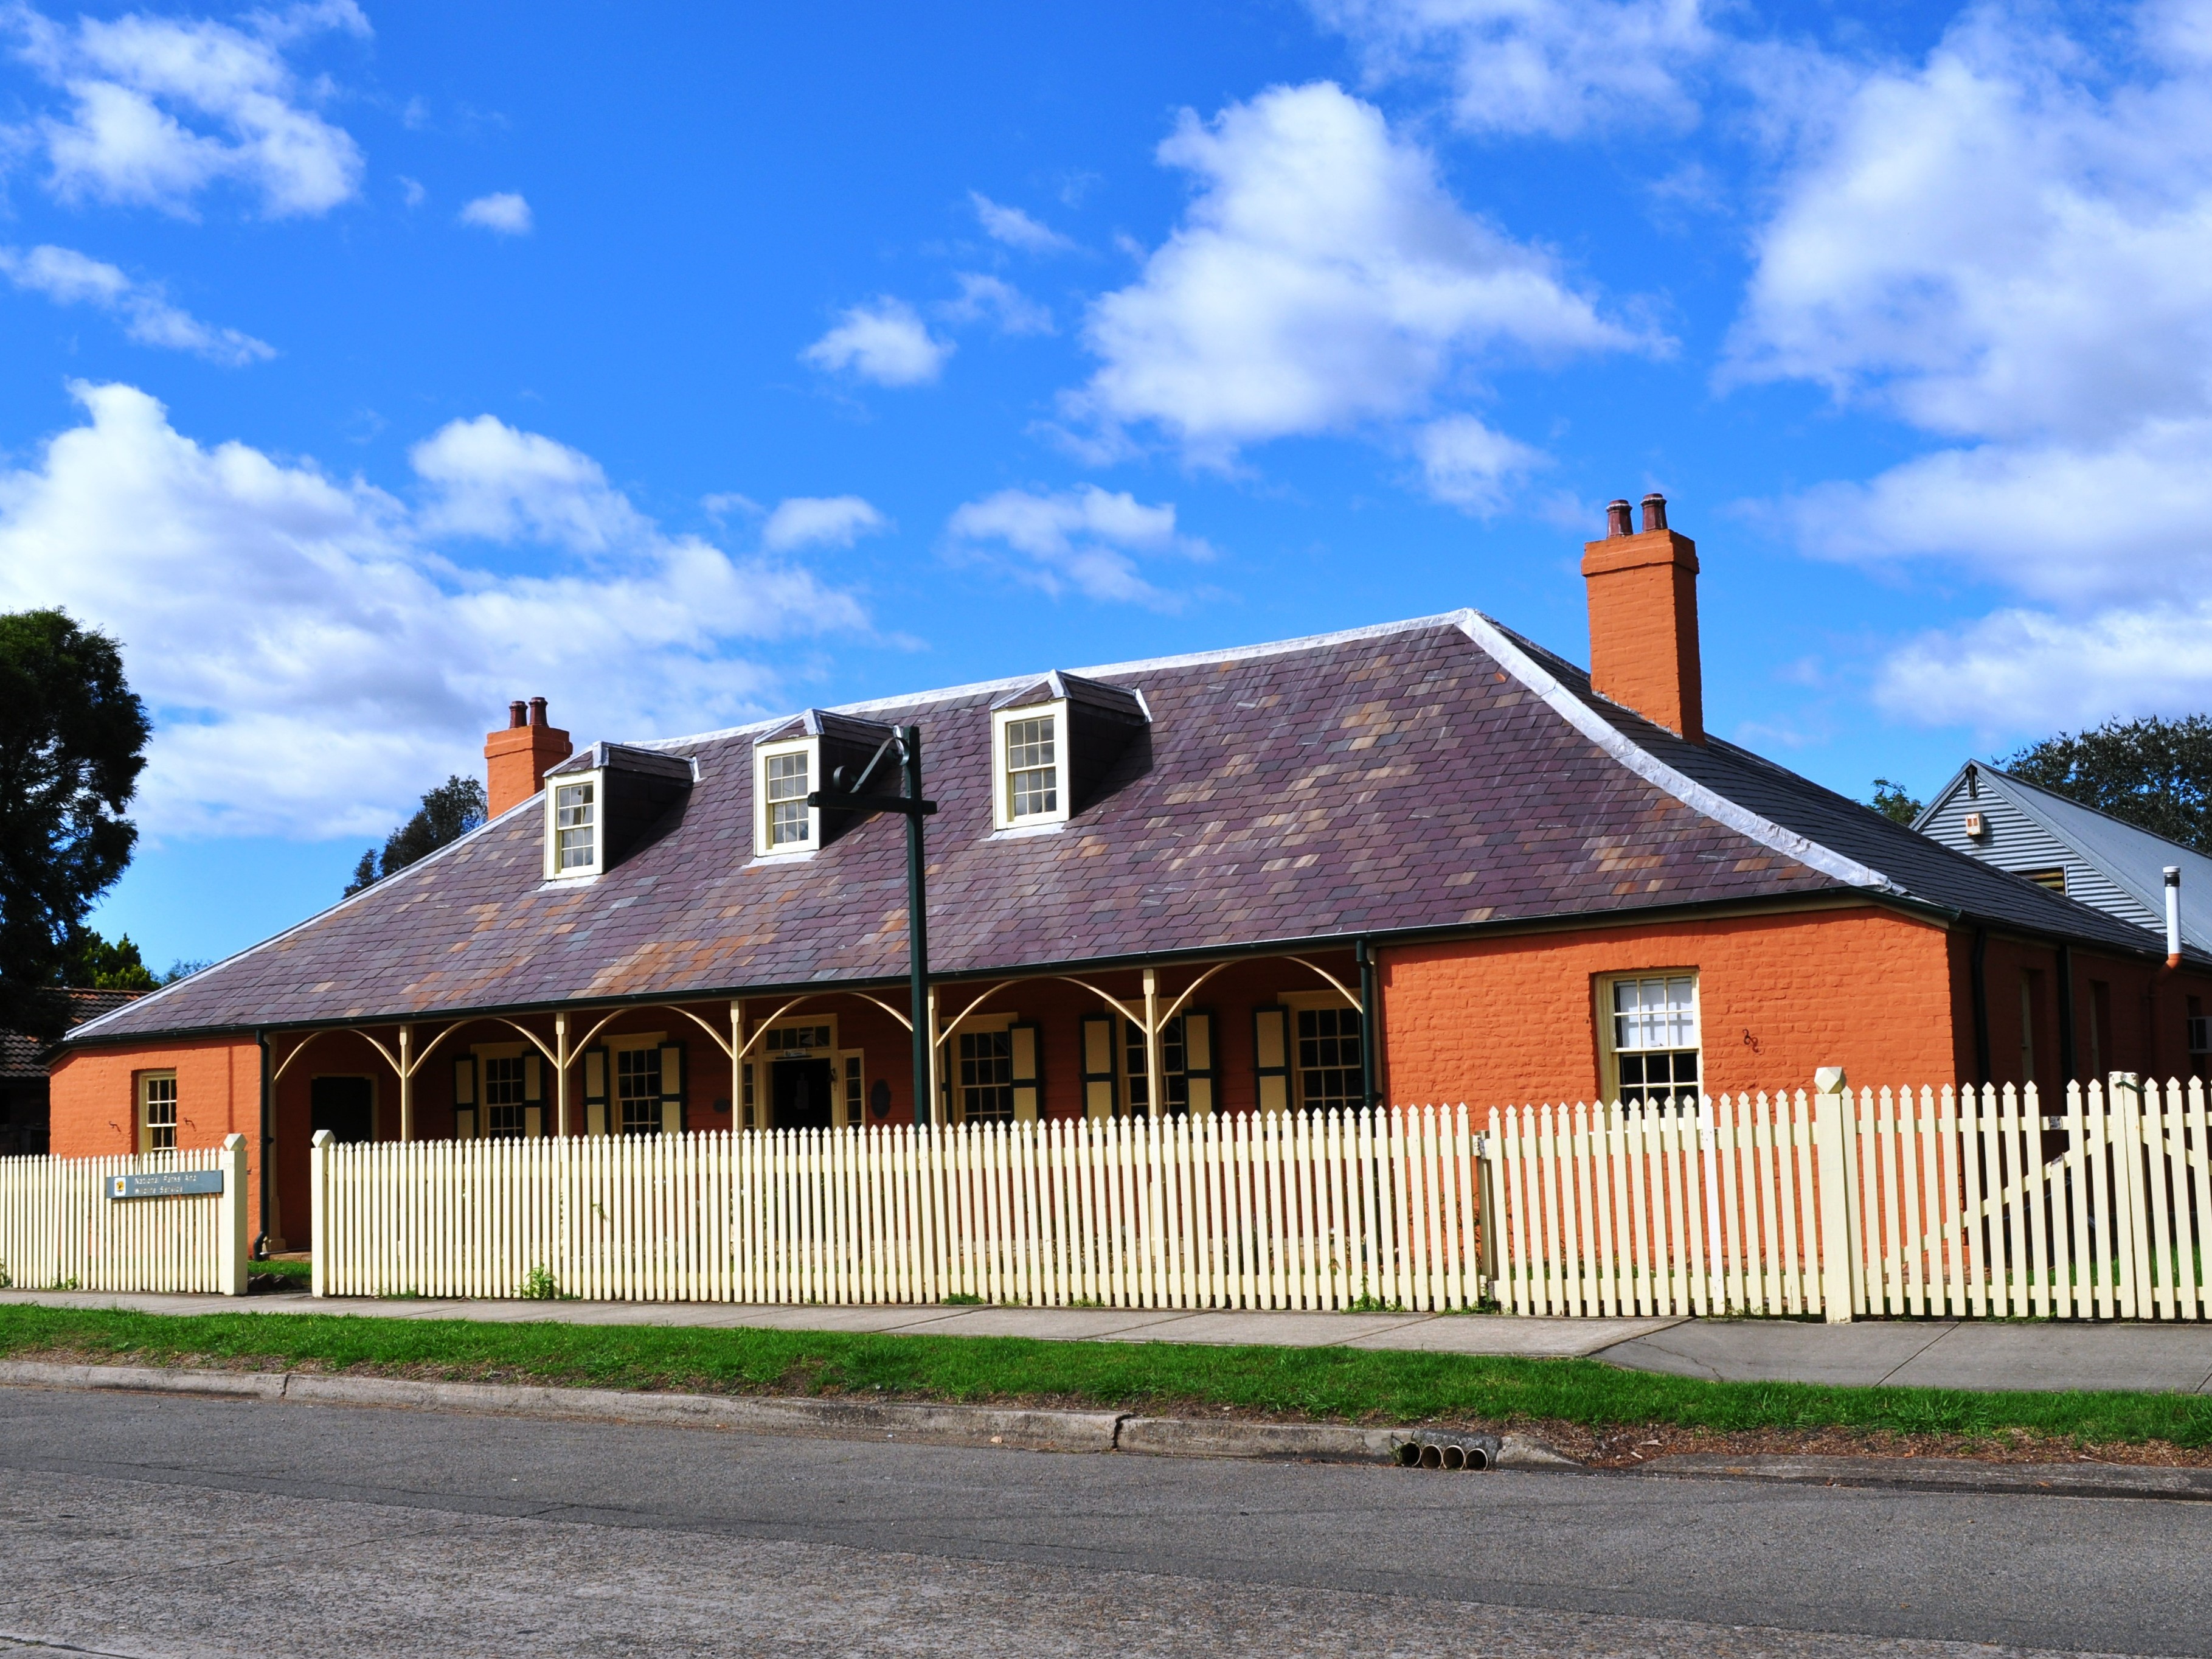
{"x":1434,"y":774}
{"x":21,"y":1056}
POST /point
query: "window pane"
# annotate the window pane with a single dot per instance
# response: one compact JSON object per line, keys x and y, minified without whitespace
{"x":502,"y":1093}
{"x":573,"y":821}
{"x":1655,"y":1036}
{"x":1032,"y":780}
{"x":1328,"y":1066}
{"x":637,"y":1088}
{"x":789,"y":824}
{"x":987,"y":1076}
{"x":162,"y":1113}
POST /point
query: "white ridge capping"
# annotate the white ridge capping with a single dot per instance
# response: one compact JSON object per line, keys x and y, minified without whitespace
{"x":1648,"y":766}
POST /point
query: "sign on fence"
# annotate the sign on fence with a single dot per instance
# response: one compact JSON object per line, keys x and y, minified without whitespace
{"x":65,"y":1225}
{"x":165,"y":1183}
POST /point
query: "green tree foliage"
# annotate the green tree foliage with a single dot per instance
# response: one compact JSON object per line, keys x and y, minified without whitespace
{"x":448,"y":812}
{"x":94,"y":964}
{"x":72,"y":742}
{"x":1891,"y":801}
{"x":2153,"y":773}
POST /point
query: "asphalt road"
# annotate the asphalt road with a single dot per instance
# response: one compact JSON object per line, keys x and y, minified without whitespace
{"x":142,"y":1525}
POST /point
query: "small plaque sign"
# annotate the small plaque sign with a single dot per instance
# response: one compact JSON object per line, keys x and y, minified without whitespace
{"x":169,"y":1184}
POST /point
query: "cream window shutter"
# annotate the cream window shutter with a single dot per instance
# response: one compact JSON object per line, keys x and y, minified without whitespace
{"x":1271,"y":1057}
{"x":1198,"y":1060}
{"x":1027,"y":1072}
{"x":1098,"y":1032}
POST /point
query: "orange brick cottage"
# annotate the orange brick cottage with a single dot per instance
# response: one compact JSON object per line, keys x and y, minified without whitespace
{"x":1426,"y":861}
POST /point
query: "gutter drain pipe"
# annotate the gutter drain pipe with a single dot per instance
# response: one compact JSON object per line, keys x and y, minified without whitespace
{"x":267,"y":1141}
{"x":2174,"y":916}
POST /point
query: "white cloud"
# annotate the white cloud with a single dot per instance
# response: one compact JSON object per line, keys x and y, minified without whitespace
{"x":503,"y":212}
{"x":820,"y":521}
{"x":411,"y":191}
{"x":69,"y":277}
{"x":162,"y":108}
{"x":1558,"y":68}
{"x":981,"y":296}
{"x":1016,"y":228}
{"x":2009,"y":247}
{"x":1323,"y":277}
{"x":2023,"y":671}
{"x":883,"y":341}
{"x":367,"y":663}
{"x":1084,"y":539}
{"x":1471,"y":465}
{"x":488,"y":480}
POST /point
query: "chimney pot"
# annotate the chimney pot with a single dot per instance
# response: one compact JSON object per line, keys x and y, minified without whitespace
{"x":1617,"y":520}
{"x":515,"y":760}
{"x":1654,"y":512}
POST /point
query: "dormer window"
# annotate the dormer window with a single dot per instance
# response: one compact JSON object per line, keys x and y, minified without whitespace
{"x":783,"y":773}
{"x":574,"y":842}
{"x":789,"y":817}
{"x":1032,"y":770}
{"x":805,"y":754}
{"x":608,"y":801}
{"x":1055,"y":746}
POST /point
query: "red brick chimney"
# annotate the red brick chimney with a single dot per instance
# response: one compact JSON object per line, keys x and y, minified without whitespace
{"x":1643,"y":619}
{"x":515,"y":760}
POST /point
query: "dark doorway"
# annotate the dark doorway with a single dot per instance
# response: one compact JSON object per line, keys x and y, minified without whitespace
{"x":344,"y":1106}
{"x":805,"y":1094}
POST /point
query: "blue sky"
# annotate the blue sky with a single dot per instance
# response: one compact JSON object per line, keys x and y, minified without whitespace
{"x":371,"y":366}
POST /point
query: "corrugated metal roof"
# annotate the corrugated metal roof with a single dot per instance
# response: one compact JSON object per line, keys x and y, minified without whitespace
{"x":2131,"y":858}
{"x":1431,"y":774}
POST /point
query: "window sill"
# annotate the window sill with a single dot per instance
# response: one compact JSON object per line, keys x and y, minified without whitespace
{"x":558,"y":883}
{"x":1024,"y":831}
{"x":770,"y":860}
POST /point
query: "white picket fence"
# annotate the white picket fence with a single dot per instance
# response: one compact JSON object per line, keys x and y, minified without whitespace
{"x":1306,"y":1211}
{"x":1960,"y":1203}
{"x":61,"y":1228}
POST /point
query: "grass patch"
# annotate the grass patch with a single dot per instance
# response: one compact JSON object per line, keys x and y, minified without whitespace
{"x":301,"y":1271}
{"x":1329,"y":1385}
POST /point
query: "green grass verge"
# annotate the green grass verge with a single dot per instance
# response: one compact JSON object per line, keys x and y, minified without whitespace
{"x":301,"y":1271}
{"x":1331,"y":1384}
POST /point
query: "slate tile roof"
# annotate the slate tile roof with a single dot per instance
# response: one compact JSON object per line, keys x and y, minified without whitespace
{"x":1435,"y":773}
{"x":23,"y":1056}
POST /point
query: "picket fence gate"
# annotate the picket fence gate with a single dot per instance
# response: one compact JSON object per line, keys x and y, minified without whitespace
{"x":1960,"y":1203}
{"x":61,"y":1229}
{"x":1298,"y":1211}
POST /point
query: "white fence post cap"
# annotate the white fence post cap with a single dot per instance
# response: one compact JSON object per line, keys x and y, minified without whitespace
{"x":1829,"y":1079}
{"x":321,"y":1137}
{"x":231,"y":1142}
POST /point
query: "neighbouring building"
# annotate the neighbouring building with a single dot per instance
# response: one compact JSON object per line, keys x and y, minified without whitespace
{"x":1425,"y":861}
{"x":2119,"y":868}
{"x":24,"y":1086}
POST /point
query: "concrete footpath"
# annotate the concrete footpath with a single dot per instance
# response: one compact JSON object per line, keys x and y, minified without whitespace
{"x":1916,"y":1353}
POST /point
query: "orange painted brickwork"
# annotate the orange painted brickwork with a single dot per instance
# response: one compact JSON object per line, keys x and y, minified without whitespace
{"x":1494,"y":1021}
{"x":96,"y":1099}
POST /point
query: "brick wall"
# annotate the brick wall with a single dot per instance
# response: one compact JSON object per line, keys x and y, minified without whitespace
{"x":96,"y":1100}
{"x":1493,"y":1020}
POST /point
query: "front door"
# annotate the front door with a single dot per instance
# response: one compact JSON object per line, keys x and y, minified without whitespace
{"x":345,"y":1106}
{"x":805,"y":1094}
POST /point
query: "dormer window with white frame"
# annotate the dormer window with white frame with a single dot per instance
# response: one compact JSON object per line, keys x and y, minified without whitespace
{"x":576,"y":825}
{"x":1055,"y":744}
{"x":783,"y":775}
{"x":1031,"y":745}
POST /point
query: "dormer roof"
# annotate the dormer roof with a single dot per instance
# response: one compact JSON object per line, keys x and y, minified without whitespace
{"x":1061,"y":687}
